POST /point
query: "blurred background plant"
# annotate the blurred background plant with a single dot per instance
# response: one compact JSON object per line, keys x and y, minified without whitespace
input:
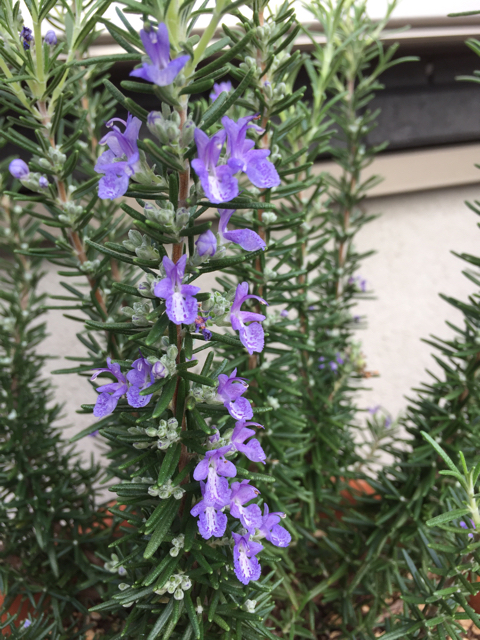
{"x":50,"y":527}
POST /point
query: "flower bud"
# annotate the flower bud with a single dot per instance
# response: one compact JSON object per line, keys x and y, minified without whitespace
{"x":147,"y":252}
{"x":18,"y":169}
{"x":173,"y":132}
{"x":158,"y":126}
{"x":267,"y":89}
{"x":159,"y":370}
{"x":144,"y":289}
{"x":172,"y":352}
{"x":50,"y":38}
{"x":269,"y":217}
{"x":43,"y":182}
{"x":135,"y":237}
{"x":206,"y":244}
{"x":140,"y":320}
{"x":188,"y":132}
{"x":183,"y":216}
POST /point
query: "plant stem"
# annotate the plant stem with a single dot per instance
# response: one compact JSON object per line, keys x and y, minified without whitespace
{"x":342,"y":249}
{"x":73,"y":236}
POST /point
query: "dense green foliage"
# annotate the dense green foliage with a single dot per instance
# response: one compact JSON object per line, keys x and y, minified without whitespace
{"x":49,"y":525}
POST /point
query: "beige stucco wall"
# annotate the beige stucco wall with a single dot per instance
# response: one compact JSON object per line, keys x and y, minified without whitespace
{"x":413,"y":238}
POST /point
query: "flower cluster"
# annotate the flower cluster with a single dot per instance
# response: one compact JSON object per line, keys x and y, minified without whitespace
{"x":333,"y":364}
{"x":176,"y":585}
{"x":213,"y":472}
{"x":218,"y":180}
{"x":122,"y":159}
{"x":140,"y":377}
{"x":221,"y":159}
{"x":19,"y":169}
{"x":182,"y":306}
{"x":26,"y":37}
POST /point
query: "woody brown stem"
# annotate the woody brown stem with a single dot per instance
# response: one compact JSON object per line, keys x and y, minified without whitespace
{"x":73,"y":236}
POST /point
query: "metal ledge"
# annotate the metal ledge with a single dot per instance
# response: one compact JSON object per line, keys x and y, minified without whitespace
{"x":422,"y":170}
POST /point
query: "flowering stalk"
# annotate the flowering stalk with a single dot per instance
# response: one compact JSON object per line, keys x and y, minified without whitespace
{"x":170,"y":429}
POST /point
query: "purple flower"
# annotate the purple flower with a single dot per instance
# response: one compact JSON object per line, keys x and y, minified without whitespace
{"x":243,"y":157}
{"x":230,"y":388}
{"x":215,"y":468}
{"x":246,"y":238}
{"x":211,"y":522}
{"x":284,"y":313}
{"x":251,"y":516}
{"x":271,"y":530}
{"x":388,"y":421}
{"x":26,"y":37}
{"x":373,"y":410}
{"x":220,"y":87}
{"x":333,"y":366}
{"x":117,"y":170}
{"x":206,"y":244}
{"x":252,"y":449}
{"x":251,"y":336}
{"x":245,"y":563}
{"x":217,"y":182}
{"x":339,"y":358}
{"x":140,"y":377}
{"x":322,"y":362}
{"x":180,"y":301}
{"x":18,"y":169}
{"x":111,"y":392}
{"x":50,"y":38}
{"x":94,"y":434}
{"x":162,"y":71}
{"x":26,"y":624}
{"x":43,"y":182}
{"x":465,"y":526}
